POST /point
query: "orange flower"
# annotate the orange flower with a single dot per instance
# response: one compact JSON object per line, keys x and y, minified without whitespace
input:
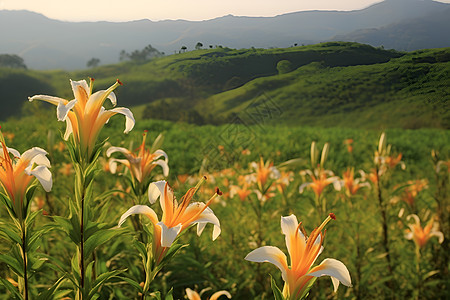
{"x":303,"y":252}
{"x":193,"y":295}
{"x":141,"y":163}
{"x":182,"y":178}
{"x":410,"y":193}
{"x":17,"y":173}
{"x":264,"y":172}
{"x":85,"y":116}
{"x":392,"y":161}
{"x":422,"y":235}
{"x":320,"y":179}
{"x":176,"y":217}
{"x":351,"y":184}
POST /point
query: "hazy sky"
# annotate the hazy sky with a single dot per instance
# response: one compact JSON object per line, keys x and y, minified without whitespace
{"x":125,"y":10}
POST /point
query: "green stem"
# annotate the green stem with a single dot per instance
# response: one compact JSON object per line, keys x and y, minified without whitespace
{"x":24,"y":253}
{"x":389,"y":283}
{"x":82,"y":270}
{"x":419,"y":275}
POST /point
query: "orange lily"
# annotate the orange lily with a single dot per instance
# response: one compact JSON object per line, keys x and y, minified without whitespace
{"x":351,"y":184}
{"x":17,"y":173}
{"x":264,"y":171}
{"x":422,"y":235}
{"x":320,"y":179}
{"x":303,"y":253}
{"x":193,"y":295}
{"x":85,"y":115}
{"x":141,"y":163}
{"x":176,"y":217}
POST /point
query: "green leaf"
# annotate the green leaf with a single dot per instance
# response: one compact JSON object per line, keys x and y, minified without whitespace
{"x":67,"y":225}
{"x":12,"y":289}
{"x":157,"y":143}
{"x":49,"y":293}
{"x":156,"y":295}
{"x":9,"y":205}
{"x":76,"y":268}
{"x":169,"y":295}
{"x":16,"y":266}
{"x":174,"y":249}
{"x":99,"y":238}
{"x":276,"y":291}
{"x":13,"y":235}
{"x":133,"y":283}
{"x":101,"y":280}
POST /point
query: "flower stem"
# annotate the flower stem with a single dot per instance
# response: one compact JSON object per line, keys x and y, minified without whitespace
{"x":389,"y":283}
{"x":24,"y":253}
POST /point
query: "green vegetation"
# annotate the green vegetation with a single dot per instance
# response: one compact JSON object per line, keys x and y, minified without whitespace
{"x":354,"y":238}
{"x":328,"y":84}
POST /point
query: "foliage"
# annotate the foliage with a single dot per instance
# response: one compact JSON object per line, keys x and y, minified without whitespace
{"x":12,"y":61}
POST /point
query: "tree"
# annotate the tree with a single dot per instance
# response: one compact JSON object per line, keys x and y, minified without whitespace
{"x":12,"y":61}
{"x":183,"y":49}
{"x":140,"y":56}
{"x":93,"y":62}
{"x":198,"y":46}
{"x":284,"y":66}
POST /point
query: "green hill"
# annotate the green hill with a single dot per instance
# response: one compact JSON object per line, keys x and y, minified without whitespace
{"x":328,"y":84}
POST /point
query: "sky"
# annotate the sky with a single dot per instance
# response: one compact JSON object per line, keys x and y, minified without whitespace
{"x":155,"y":10}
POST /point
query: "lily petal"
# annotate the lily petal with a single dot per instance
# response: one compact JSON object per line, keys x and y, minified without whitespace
{"x":142,"y":210}
{"x":43,"y":175}
{"x":63,"y":109}
{"x":207,"y":216}
{"x":272,"y":255}
{"x":69,"y":129}
{"x":334,"y":268}
{"x":111,"y":150}
{"x":129,"y":118}
{"x":216,"y":295}
{"x":163,"y":164}
{"x":156,"y":190}
{"x":168,"y":235}
{"x":36,"y":155}
{"x":192,"y":295}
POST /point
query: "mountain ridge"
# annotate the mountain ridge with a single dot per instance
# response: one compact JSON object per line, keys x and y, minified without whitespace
{"x":52,"y":44}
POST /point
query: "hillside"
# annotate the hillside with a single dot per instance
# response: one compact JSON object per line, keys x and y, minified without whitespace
{"x":51,"y":44}
{"x":328,"y":84}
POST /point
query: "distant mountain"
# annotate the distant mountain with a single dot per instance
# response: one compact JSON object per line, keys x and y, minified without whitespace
{"x":48,"y":44}
{"x":432,"y":31}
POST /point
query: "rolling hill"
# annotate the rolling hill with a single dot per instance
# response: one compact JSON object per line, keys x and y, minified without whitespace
{"x":327,"y":84}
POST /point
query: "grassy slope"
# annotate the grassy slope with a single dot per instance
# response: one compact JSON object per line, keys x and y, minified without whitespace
{"x":347,"y":84}
{"x":406,"y":92}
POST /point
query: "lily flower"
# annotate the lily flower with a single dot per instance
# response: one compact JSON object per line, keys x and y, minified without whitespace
{"x":320,"y":179}
{"x":420,"y":235}
{"x":351,"y":184}
{"x":193,"y":295}
{"x":303,"y":252}
{"x":140,"y":162}
{"x":264,"y":172}
{"x":18,"y":173}
{"x":176,"y":217}
{"x":85,"y":115}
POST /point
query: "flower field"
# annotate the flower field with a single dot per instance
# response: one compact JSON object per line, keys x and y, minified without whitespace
{"x":96,"y":205}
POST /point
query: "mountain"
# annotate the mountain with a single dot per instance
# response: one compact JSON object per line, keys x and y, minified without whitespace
{"x":431,"y":31}
{"x":48,"y":44}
